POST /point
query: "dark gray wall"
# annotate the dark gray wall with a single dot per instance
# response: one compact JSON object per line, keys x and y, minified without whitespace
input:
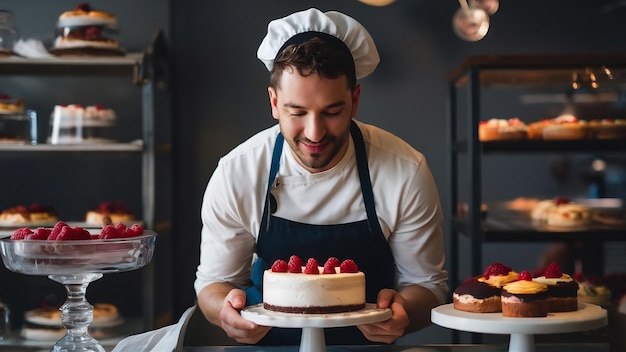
{"x":220,"y":96}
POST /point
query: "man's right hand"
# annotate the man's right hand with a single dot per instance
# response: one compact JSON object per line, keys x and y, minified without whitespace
{"x":236,"y":327}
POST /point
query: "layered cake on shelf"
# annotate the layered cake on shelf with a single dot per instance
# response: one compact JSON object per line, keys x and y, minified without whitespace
{"x":562,"y":289}
{"x":10,"y":105}
{"x":482,"y":294}
{"x":109,"y":212}
{"x":335,"y":287}
{"x":525,"y":298}
{"x":560,"y":212}
{"x":44,"y":324}
{"x":87,"y":32}
{"x":31,"y":215}
{"x":75,"y":124}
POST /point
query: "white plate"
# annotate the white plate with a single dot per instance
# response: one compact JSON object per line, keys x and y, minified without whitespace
{"x":587,"y":317}
{"x":262,"y":316}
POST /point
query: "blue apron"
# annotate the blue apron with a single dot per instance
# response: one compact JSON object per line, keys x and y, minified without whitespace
{"x":363,"y":241}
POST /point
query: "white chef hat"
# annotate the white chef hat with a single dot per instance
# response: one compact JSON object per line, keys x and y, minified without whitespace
{"x":336,"y":24}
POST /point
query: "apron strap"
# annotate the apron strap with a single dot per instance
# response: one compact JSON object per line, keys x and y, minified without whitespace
{"x":364,"y":176}
{"x":278,"y":150}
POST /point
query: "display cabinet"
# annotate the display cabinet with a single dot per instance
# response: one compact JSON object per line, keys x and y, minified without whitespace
{"x":73,"y":178}
{"x":532,"y":88}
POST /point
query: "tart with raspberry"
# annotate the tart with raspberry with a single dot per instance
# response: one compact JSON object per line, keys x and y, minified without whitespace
{"x":482,"y":294}
{"x":31,"y":215}
{"x":562,"y":289}
{"x":291,"y":287}
{"x":525,"y":298}
{"x":109,"y":212}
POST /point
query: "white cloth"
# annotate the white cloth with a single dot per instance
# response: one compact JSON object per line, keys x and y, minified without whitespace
{"x":165,"y":339}
{"x":406,"y":200}
{"x":31,"y":48}
{"x":337,"y":24}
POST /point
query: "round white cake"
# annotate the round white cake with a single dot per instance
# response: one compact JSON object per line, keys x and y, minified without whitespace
{"x":313,"y":293}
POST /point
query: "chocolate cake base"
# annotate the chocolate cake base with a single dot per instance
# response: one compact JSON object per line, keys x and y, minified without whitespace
{"x":314,"y":310}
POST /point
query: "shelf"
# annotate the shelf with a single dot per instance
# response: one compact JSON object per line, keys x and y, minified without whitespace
{"x":571,"y":146}
{"x":124,"y":65}
{"x":536,"y":70}
{"x":136,"y":146}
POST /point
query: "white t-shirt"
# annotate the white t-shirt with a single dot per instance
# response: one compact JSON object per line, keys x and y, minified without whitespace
{"x":406,"y":198}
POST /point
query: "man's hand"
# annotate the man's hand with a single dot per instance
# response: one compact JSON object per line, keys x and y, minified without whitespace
{"x":389,"y":330}
{"x":221,"y":304}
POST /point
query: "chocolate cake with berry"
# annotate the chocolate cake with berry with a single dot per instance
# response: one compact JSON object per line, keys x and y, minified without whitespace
{"x":482,"y":294}
{"x":335,"y":287}
{"x":87,"y":32}
{"x":562,"y":288}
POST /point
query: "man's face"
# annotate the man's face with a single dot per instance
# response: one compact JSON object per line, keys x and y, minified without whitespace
{"x":314,"y":114}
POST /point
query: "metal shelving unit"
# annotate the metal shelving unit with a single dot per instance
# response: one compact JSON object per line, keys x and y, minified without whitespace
{"x":148,"y":71}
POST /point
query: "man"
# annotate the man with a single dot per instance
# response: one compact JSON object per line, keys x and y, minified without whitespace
{"x":337,"y":187}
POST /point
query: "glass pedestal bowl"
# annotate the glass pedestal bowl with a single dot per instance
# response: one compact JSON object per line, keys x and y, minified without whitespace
{"x":75,"y":264}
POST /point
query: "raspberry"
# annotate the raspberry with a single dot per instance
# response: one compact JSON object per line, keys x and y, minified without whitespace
{"x":56,"y":230}
{"x":83,"y":6}
{"x":311,"y":266}
{"x":330,"y":265}
{"x":20,"y":234}
{"x":496,"y":269}
{"x":73,"y":233}
{"x":280,"y":266}
{"x":348,"y":266}
{"x":109,"y":232}
{"x":39,"y":234}
{"x":295,"y":264}
{"x":121,"y":227}
{"x":524,"y":275}
{"x":553,"y":271}
{"x":560,"y":200}
{"x":133,"y":231}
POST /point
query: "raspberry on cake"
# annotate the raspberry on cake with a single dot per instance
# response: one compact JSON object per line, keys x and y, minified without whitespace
{"x":482,"y":294}
{"x":562,"y":289}
{"x":525,"y":297}
{"x":109,"y":212}
{"x":333,"y":288}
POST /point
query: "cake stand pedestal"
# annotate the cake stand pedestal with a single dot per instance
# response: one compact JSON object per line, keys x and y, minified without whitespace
{"x":521,"y":330}
{"x":313,"y":325}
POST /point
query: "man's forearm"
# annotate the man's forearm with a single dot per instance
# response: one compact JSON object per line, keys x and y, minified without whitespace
{"x":211,"y":299}
{"x":419,"y":302}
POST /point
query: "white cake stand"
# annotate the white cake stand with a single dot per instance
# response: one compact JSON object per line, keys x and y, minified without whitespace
{"x":313,"y":325}
{"x":522,"y":330}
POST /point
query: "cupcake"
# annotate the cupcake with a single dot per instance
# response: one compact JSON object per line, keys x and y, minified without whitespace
{"x":562,"y":289}
{"x":525,"y":298}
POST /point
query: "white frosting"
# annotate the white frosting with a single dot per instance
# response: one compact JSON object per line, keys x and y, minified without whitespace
{"x":310,"y":290}
{"x":553,"y":281}
{"x":540,"y":212}
{"x":85,"y":20}
{"x":468,"y":299}
{"x":569,"y":215}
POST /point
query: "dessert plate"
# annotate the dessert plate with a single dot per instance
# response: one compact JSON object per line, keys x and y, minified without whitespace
{"x":262,"y":316}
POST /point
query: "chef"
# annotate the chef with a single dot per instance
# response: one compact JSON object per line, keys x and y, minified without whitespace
{"x":321,"y":184}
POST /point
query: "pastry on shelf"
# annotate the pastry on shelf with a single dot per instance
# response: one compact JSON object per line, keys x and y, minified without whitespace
{"x":567,"y":127}
{"x":109,"y":212}
{"x":85,"y":31}
{"x":591,"y":290}
{"x":608,"y":128}
{"x":31,"y":215}
{"x":44,"y":323}
{"x":502,"y":129}
{"x":75,"y":124}
{"x":17,"y":126}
